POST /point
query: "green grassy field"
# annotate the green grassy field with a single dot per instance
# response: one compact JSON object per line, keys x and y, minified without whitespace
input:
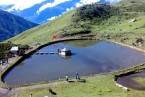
{"x":96,"y":86}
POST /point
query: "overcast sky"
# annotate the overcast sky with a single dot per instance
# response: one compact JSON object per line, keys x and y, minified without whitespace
{"x":23,"y":4}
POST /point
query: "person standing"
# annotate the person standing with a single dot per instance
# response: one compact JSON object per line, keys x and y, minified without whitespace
{"x":77,"y":76}
{"x":66,"y":77}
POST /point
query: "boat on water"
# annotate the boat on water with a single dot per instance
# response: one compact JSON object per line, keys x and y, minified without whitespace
{"x":64,"y":52}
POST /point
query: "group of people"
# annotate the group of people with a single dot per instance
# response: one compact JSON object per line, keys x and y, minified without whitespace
{"x":76,"y":76}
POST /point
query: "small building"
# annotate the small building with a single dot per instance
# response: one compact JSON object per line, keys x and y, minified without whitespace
{"x":64,"y":51}
{"x":14,"y":49}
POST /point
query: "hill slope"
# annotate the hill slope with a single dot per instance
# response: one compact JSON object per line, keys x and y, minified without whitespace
{"x":103,"y":19}
{"x":11,"y":25}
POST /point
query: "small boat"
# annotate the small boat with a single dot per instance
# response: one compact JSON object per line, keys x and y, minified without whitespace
{"x":64,"y":52}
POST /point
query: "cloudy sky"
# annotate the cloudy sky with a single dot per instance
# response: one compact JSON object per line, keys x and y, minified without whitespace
{"x":24,"y":4}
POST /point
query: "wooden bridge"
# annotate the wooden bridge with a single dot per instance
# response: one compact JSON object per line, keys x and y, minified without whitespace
{"x":42,"y":53}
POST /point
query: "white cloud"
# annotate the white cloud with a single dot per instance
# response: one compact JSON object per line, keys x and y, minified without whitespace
{"x":20,"y":4}
{"x":83,"y":2}
{"x":52,"y":18}
{"x":68,"y":9}
{"x":47,"y":5}
{"x":113,"y":1}
{"x":23,"y":4}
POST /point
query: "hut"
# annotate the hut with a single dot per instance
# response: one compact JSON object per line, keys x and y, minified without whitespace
{"x":14,"y":49}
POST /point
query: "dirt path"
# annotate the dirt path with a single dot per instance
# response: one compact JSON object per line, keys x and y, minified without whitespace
{"x":15,"y":91}
{"x":10,"y":61}
{"x":5,"y":92}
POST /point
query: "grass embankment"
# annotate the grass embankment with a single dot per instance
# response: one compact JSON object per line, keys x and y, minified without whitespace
{"x":96,"y":86}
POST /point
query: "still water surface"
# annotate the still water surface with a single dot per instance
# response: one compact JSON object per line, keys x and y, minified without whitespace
{"x":131,"y":82}
{"x":89,"y":57}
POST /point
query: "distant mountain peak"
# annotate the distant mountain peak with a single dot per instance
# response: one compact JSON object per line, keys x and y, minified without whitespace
{"x":12,"y":25}
{"x":41,"y":11}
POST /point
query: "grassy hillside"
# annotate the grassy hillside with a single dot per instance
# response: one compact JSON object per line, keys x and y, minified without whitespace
{"x":44,"y":33}
{"x":99,"y":19}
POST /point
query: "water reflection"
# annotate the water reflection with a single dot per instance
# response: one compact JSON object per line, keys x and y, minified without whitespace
{"x":21,"y":64}
{"x":80,"y":43}
{"x":65,"y":57}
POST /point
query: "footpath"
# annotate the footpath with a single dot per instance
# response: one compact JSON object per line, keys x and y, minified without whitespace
{"x":4,"y":92}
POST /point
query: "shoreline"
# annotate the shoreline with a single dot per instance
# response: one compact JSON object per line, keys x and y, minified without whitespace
{"x":128,"y":46}
{"x":20,"y":59}
{"x":117,"y":73}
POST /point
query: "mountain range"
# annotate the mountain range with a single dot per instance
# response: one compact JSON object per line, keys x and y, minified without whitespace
{"x":46,"y":10}
{"x":11,"y":25}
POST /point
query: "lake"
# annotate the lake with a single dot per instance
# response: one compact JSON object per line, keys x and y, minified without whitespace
{"x":88,"y":57}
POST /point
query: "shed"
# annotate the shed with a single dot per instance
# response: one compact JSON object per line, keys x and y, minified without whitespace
{"x":14,"y":49}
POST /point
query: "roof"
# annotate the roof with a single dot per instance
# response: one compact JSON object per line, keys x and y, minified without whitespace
{"x":15,"y":48}
{"x":64,"y":50}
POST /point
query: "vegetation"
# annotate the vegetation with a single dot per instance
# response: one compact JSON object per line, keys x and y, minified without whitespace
{"x":4,"y":50}
{"x":12,"y":25}
{"x":95,"y":13}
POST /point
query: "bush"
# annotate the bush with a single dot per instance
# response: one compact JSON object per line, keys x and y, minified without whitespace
{"x":95,"y":13}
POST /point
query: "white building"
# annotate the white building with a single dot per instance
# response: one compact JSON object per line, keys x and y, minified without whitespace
{"x":65,"y":52}
{"x":14,"y":49}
